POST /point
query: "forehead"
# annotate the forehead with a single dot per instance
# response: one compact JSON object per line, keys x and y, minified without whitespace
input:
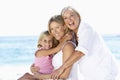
{"x":68,"y":12}
{"x":55,"y":24}
{"x":47,"y":37}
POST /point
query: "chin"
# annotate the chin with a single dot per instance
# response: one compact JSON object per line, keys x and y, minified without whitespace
{"x":57,"y":38}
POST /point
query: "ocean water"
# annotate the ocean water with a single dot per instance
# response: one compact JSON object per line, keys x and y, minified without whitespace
{"x":20,"y":49}
{"x":17,"y":49}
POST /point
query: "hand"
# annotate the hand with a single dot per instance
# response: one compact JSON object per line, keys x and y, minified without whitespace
{"x":34,"y":69}
{"x":68,"y":36}
{"x":56,"y":74}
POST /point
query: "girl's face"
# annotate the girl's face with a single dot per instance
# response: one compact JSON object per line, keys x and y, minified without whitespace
{"x":47,"y":42}
{"x":71,"y":19}
{"x":57,"y":30}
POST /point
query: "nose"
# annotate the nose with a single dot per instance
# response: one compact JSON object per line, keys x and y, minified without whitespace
{"x":54,"y":32}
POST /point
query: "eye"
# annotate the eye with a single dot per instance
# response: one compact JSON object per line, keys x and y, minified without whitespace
{"x":65,"y":18}
{"x":57,"y":27}
{"x":45,"y":41}
{"x":71,"y":15}
{"x":51,"y":29}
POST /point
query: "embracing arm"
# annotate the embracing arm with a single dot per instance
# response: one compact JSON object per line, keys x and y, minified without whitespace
{"x":67,"y":50}
{"x":72,"y":59}
{"x":56,"y":49}
{"x":47,"y":52}
{"x":68,"y":63}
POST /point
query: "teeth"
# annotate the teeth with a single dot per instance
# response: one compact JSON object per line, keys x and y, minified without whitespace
{"x":71,"y":23}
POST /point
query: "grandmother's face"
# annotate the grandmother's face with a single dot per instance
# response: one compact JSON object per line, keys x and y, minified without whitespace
{"x":71,"y":19}
{"x":57,"y":30}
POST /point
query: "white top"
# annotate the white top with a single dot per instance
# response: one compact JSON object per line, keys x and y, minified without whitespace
{"x":98,"y":62}
{"x":57,"y":62}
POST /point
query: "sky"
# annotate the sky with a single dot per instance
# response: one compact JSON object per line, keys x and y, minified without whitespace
{"x":30,"y":17}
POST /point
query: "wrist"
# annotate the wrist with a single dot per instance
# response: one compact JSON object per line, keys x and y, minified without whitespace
{"x":58,"y":48}
{"x":63,"y":67}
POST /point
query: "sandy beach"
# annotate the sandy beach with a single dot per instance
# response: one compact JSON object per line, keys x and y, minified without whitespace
{"x":13,"y":72}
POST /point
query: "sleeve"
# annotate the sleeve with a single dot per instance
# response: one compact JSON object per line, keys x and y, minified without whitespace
{"x":85,"y":38}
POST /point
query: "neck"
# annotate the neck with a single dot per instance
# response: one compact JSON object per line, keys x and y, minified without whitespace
{"x":76,"y":30}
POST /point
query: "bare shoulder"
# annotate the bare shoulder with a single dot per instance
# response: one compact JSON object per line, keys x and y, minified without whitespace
{"x":68,"y":47}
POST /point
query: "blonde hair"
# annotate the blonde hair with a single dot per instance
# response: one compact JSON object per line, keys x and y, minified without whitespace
{"x":70,"y":9}
{"x":59,"y":19}
{"x":44,"y":34}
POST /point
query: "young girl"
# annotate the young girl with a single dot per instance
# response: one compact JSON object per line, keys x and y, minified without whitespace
{"x":42,"y":62}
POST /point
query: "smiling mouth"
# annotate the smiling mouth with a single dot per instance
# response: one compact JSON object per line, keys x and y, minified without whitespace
{"x":71,"y":24}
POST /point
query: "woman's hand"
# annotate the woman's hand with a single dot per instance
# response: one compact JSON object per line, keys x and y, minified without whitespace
{"x":34,"y":69}
{"x":56,"y":74}
{"x":68,"y":36}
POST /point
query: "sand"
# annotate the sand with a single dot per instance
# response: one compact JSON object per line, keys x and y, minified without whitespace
{"x":13,"y":72}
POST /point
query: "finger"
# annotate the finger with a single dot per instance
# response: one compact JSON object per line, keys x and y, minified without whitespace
{"x":55,"y":77}
{"x":52,"y":75}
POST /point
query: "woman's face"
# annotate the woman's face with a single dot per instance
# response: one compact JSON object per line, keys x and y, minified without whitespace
{"x":71,"y":19}
{"x":57,"y":30}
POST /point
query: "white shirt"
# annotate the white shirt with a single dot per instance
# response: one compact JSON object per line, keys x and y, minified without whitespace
{"x":98,"y":62}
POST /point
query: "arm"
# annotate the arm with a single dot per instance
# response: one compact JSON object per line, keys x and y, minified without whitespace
{"x":67,"y":50}
{"x":72,"y":59}
{"x":85,"y":37}
{"x":68,"y":63}
{"x":47,"y":52}
{"x":68,"y":36}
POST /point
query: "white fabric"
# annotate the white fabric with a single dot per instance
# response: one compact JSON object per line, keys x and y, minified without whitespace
{"x":98,"y":62}
{"x":57,"y":62}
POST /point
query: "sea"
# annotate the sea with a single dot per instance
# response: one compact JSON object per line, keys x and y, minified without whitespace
{"x":19,"y":50}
